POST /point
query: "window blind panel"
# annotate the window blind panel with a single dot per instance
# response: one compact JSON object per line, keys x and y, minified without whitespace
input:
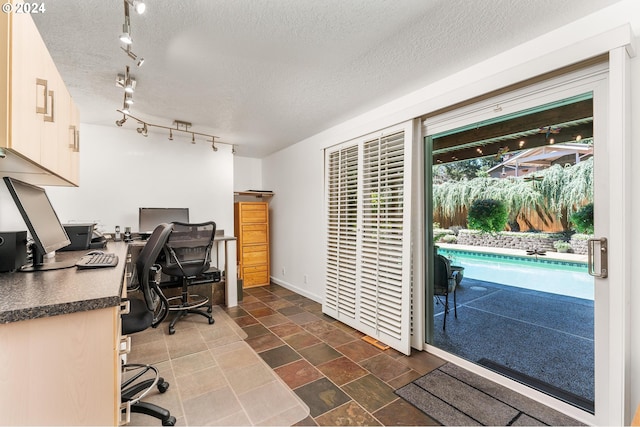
{"x":342,"y":216}
{"x":366,"y":232}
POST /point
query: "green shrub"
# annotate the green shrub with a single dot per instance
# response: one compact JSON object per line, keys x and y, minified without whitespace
{"x":488,"y":215}
{"x":582,"y":219}
{"x":561,"y":245}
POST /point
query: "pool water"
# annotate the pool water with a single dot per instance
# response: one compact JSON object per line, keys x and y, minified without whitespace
{"x":553,"y":276}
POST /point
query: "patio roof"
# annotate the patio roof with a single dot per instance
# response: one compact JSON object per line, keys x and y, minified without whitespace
{"x":538,"y":158}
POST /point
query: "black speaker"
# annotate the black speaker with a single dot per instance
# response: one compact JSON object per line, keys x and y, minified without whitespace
{"x":13,"y":250}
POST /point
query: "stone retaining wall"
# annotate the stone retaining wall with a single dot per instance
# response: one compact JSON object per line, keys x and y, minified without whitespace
{"x":521,"y":241}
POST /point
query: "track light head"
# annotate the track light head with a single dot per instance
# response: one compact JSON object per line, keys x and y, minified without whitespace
{"x":125,"y":110}
{"x":140,"y":62}
{"x":121,"y":121}
{"x":125,"y":37}
{"x":138,"y":5}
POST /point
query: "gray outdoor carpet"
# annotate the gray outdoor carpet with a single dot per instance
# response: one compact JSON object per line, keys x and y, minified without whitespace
{"x":454,"y":396}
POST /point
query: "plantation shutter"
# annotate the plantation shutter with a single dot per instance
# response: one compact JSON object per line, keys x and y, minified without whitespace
{"x":368,"y":263}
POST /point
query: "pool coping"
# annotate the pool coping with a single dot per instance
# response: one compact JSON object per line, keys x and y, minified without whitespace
{"x":549,"y":255}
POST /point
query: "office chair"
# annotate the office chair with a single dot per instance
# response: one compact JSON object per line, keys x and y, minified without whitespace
{"x":446,"y":281}
{"x":187,"y":254}
{"x":143,"y":313}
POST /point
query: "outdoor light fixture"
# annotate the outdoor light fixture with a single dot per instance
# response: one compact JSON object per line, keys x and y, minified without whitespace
{"x":213,"y":145}
{"x":233,"y":149}
{"x":170,"y":134}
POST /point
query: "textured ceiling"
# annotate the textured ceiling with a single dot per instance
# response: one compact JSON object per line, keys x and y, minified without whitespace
{"x":265,"y":74}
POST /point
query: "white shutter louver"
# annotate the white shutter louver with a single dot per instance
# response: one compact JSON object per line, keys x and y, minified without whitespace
{"x":368,"y":279}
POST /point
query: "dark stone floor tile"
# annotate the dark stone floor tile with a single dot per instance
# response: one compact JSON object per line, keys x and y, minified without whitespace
{"x":349,"y":414}
{"x":298,"y":373}
{"x":264,"y":342}
{"x":286,"y":329}
{"x":401,"y":413}
{"x":321,"y":396}
{"x":384,"y":367}
{"x":243,"y":321}
{"x":262,"y":312}
{"x":256,"y":330}
{"x":358,"y":350}
{"x":279,"y":356}
{"x":422,"y":361}
{"x":342,"y":370}
{"x":234,"y":312}
{"x":248,"y":306}
{"x":370,"y":392}
{"x":291,"y":309}
{"x":301,"y":340}
{"x":306,"y":422}
{"x":319,"y":353}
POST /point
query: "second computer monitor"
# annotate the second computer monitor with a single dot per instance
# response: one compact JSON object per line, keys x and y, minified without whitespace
{"x":149,"y":218}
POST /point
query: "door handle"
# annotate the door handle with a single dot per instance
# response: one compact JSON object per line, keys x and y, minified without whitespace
{"x":604,"y":257}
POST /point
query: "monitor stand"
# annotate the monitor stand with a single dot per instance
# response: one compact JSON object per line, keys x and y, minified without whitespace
{"x":39,"y":264}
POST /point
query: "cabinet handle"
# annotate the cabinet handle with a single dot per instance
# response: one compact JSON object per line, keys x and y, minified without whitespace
{"x":125,"y":411}
{"x":50,"y":117}
{"x":125,"y":307}
{"x":44,"y":84}
{"x":75,"y":135}
{"x":126,"y":349}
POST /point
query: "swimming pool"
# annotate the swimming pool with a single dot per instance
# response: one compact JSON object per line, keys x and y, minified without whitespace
{"x":541,"y":274}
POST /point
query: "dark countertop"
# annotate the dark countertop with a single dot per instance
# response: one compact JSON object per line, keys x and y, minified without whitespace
{"x":31,"y":295}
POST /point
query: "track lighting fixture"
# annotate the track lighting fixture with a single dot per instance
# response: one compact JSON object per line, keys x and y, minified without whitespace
{"x":128,"y":99}
{"x":126,"y":81}
{"x":121,"y":121}
{"x":132,"y":55}
{"x":138,"y":5}
{"x":125,"y":37}
{"x":144,"y":131}
{"x":180,"y":126}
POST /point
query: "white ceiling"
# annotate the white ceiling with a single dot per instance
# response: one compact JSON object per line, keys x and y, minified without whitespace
{"x":265,"y":74}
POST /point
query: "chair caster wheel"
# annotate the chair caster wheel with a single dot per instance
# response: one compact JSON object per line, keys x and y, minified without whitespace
{"x":211,"y":321}
{"x":172,"y":331}
{"x":171,"y":421}
{"x":163,"y":386}
{"x":210,"y":310}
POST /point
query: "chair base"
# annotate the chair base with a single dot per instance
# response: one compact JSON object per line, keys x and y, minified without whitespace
{"x":189,"y":304}
{"x":133,"y":392}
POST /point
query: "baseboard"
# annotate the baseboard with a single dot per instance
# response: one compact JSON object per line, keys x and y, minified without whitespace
{"x":297,"y":290}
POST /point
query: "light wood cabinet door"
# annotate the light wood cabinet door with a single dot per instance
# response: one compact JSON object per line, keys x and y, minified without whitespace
{"x":37,"y":110}
{"x":252,"y":231}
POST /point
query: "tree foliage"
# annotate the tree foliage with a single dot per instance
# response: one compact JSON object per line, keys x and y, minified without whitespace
{"x":488,"y":215}
{"x":557,"y":191}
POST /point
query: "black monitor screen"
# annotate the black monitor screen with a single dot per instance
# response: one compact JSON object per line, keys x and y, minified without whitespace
{"x":41,"y":219}
{"x":149,"y":218}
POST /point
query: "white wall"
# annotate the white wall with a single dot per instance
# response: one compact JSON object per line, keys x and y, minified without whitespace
{"x":295,"y":174}
{"x":247,"y":174}
{"x":121,"y":171}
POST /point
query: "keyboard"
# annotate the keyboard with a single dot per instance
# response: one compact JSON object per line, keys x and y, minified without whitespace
{"x":98,"y":260}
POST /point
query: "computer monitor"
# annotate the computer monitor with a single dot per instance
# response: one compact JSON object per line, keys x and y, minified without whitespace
{"x":149,"y":218}
{"x":42,"y":221}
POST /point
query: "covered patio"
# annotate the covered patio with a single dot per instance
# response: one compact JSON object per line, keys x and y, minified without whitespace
{"x":541,"y":339}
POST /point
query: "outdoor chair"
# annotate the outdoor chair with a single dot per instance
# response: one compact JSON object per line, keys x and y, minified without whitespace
{"x":446,"y":281}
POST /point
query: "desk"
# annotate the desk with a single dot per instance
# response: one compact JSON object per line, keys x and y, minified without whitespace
{"x":59,"y":344}
{"x":225,"y":245}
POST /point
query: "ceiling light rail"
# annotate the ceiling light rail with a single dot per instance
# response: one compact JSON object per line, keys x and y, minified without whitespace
{"x":179,"y":126}
{"x":125,"y":37}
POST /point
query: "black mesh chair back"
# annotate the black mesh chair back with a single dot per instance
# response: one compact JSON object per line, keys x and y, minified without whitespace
{"x":186,"y":255}
{"x":139,"y":379}
{"x":153,"y":307}
{"x":444,"y":283}
{"x":188,"y":249}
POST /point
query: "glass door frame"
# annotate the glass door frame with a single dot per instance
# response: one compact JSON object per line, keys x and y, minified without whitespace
{"x":594,"y":79}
